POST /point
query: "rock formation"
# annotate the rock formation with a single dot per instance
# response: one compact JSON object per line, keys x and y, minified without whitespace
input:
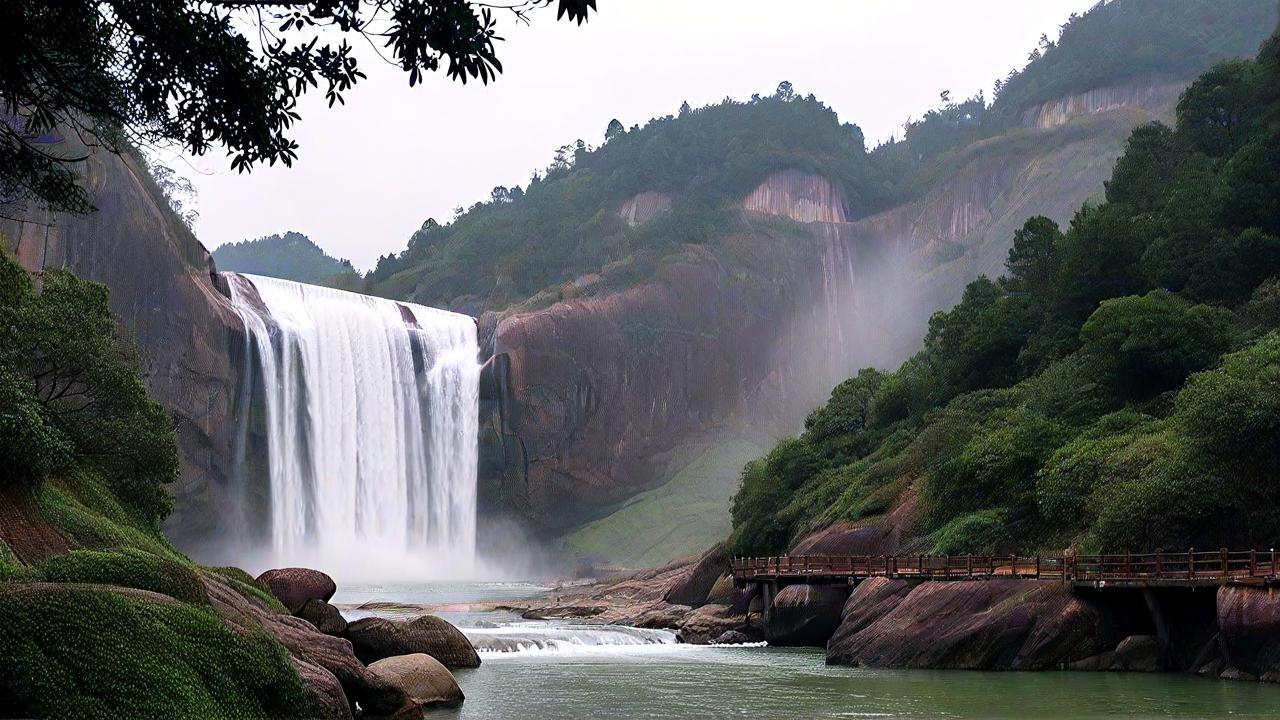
{"x":295,"y":587}
{"x":378,"y":638}
{"x":594,"y":399}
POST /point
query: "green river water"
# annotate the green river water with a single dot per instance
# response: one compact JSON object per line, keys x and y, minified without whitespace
{"x":541,"y":670}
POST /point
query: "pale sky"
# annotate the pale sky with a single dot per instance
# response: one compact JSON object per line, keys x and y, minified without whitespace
{"x":369,"y":173}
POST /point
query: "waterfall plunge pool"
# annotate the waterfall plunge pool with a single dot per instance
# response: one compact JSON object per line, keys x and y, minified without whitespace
{"x":553,"y":670}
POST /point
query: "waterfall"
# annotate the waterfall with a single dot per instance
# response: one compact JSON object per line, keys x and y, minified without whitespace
{"x":371,"y":410}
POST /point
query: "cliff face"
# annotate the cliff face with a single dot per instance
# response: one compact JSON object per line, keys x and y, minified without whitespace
{"x":738,"y":341}
{"x":163,"y":292}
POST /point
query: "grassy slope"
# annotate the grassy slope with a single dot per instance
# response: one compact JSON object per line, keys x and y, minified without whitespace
{"x":680,"y":518}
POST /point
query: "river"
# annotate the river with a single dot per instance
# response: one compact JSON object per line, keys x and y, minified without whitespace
{"x":535,"y":670}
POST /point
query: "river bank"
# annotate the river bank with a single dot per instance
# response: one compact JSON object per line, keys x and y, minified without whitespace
{"x":589,"y":669}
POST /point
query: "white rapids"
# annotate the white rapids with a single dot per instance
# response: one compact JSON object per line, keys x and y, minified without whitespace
{"x":372,"y":411}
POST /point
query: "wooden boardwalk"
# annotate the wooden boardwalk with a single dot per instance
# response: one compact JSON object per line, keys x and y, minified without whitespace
{"x":1159,"y":569}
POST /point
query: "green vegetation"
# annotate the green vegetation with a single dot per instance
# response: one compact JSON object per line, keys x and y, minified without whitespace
{"x":71,"y":393}
{"x":529,"y":244}
{"x":291,"y":256}
{"x":1116,"y":389}
{"x":566,"y":223}
{"x":78,"y":652}
{"x":85,"y":454}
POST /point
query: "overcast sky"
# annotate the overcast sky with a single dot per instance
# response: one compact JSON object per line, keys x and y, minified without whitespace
{"x":369,"y":173}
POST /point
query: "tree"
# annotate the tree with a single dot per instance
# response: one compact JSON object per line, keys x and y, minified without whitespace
{"x":178,"y":190}
{"x":614,"y":129}
{"x":1032,"y":265}
{"x":205,"y":74}
{"x":785,"y":92}
{"x":685,"y":109}
{"x":70,"y":393}
{"x":1149,"y":344}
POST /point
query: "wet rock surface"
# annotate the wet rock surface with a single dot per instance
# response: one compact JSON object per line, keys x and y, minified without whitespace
{"x":294,"y":587}
{"x":377,"y":638}
{"x":422,"y":678}
{"x":324,"y":616}
{"x":997,"y":624}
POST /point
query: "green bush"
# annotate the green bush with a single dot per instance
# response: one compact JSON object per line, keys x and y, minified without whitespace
{"x":84,"y":653}
{"x":984,"y":532}
{"x":128,"y":567}
{"x":1150,"y":344}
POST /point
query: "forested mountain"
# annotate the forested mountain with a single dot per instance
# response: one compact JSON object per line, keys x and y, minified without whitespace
{"x":1118,"y":388}
{"x":567,"y":223}
{"x":291,"y":256}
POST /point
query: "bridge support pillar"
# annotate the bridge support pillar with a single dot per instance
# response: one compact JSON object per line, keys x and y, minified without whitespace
{"x":769,"y":590}
{"x":1160,"y":623}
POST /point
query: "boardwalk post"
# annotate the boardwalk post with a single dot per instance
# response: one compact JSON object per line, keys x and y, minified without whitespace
{"x":1128,"y":563}
{"x":920,"y":565}
{"x":1222,"y":553}
{"x":946,"y":566}
{"x":1013,"y":566}
{"x":1037,"y":567}
{"x":968,"y":565}
{"x":1191,"y":563}
{"x":1159,"y":561}
{"x":1253,"y":562}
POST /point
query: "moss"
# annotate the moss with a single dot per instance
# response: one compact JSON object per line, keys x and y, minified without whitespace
{"x":243,"y":583}
{"x":91,"y":528}
{"x":85,"y":653}
{"x":129,"y":567}
{"x":11,"y":568}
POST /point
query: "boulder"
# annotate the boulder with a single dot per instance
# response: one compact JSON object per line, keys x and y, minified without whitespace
{"x":1139,"y":653}
{"x":331,"y":701}
{"x":307,"y":644}
{"x":1249,"y":628}
{"x":731,"y":637}
{"x":696,"y":585}
{"x":994,"y":624}
{"x":422,"y":678}
{"x":295,"y":586}
{"x":804,"y":615}
{"x":869,"y":601}
{"x":377,"y":638}
{"x":324,"y":616}
{"x":707,"y":623}
{"x":722,"y":592}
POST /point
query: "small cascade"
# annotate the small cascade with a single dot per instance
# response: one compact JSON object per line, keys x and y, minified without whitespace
{"x":371,"y":412}
{"x":541,"y":637}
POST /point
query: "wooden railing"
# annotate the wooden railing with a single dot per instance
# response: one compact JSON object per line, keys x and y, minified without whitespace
{"x":1160,"y":567}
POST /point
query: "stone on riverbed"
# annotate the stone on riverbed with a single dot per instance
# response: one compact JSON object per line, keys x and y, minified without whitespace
{"x":324,"y":616}
{"x":377,"y":638}
{"x":731,"y":637}
{"x":293,"y":587}
{"x":421,"y":677}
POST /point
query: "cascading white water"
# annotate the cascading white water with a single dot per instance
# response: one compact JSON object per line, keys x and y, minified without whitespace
{"x":372,"y":411}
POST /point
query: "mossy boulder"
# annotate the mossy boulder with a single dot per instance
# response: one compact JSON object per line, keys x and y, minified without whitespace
{"x":128,"y":567}
{"x":94,"y":651}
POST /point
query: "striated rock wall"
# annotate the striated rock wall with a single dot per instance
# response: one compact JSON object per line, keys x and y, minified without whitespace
{"x":801,"y":196}
{"x":1151,"y":94}
{"x":594,"y":396}
{"x":163,"y":291}
{"x":997,"y":624}
{"x":643,"y":206}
